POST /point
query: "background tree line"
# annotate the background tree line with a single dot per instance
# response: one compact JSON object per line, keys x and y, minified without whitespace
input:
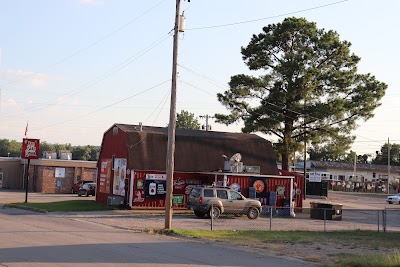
{"x":12,"y":148}
{"x":338,"y":153}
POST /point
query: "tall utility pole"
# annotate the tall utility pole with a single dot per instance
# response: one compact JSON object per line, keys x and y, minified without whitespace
{"x":388,"y":167}
{"x":207,"y":117}
{"x":172,"y":125}
{"x":305,"y":153}
{"x":355,"y":167}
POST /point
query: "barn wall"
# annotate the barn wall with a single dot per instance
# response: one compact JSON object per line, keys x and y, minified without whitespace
{"x":183,"y":182}
{"x":113,"y":144}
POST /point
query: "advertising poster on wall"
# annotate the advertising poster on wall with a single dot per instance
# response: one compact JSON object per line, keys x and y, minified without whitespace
{"x":260,"y":186}
{"x":155,"y":186}
{"x":119,"y":176}
{"x":105,"y":174}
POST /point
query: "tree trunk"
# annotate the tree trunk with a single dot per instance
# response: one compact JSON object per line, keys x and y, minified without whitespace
{"x":286,"y":141}
{"x":286,"y":151}
{"x":285,"y":160}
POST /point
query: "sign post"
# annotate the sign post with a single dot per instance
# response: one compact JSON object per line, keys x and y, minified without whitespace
{"x":30,"y":150}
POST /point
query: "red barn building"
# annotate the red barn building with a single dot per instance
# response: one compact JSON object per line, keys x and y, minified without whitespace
{"x":132,"y":166}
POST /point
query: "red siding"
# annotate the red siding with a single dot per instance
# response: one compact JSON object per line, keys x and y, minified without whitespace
{"x":111,"y":145}
{"x":117,"y":145}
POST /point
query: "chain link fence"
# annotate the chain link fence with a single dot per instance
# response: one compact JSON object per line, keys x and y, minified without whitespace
{"x":310,"y":219}
{"x":270,"y":218}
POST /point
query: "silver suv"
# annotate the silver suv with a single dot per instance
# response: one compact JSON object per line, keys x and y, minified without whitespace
{"x":213,"y":201}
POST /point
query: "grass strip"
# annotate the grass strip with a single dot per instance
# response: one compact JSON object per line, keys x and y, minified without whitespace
{"x":69,"y":205}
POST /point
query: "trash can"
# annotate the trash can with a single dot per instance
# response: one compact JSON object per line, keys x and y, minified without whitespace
{"x":327,"y":211}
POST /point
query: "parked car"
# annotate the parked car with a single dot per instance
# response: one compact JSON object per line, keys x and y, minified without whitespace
{"x":213,"y":201}
{"x":393,"y":199}
{"x":78,"y":185}
{"x":87,"y":189}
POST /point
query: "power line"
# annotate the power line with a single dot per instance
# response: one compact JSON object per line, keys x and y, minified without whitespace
{"x":100,"y":109}
{"x":85,"y":48}
{"x":204,"y":91}
{"x":266,"y":18}
{"x":222,"y":86}
{"x":95,"y":80}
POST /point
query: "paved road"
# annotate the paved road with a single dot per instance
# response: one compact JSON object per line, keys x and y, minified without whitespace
{"x":31,"y":239}
{"x":10,"y":196}
{"x":360,"y":201}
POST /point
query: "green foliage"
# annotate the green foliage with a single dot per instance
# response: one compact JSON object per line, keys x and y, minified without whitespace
{"x":85,"y":153}
{"x":78,"y":153}
{"x":10,"y":146}
{"x":309,"y":88}
{"x":330,"y":149}
{"x":382,"y":155}
{"x":187,"y":120}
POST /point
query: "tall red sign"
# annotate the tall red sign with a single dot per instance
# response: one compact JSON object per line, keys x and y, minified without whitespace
{"x":30,"y":148}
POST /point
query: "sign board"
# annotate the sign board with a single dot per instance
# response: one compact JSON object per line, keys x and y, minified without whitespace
{"x":119,"y":176}
{"x":60,"y":173}
{"x":156,"y":176}
{"x":178,"y":200}
{"x":314,"y":177}
{"x":30,"y":148}
{"x":105,"y":174}
{"x":59,"y":183}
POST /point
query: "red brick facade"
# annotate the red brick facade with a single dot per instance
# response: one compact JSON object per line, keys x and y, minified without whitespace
{"x":42,"y":175}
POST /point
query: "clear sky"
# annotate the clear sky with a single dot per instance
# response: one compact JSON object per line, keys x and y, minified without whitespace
{"x":72,"y":68}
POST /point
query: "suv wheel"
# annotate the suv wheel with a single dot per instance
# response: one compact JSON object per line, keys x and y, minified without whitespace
{"x":253,"y":213}
{"x":215,"y":212}
{"x":199,"y":214}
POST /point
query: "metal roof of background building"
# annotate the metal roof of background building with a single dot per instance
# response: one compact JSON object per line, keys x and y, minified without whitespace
{"x":196,"y":150}
{"x":346,"y":166}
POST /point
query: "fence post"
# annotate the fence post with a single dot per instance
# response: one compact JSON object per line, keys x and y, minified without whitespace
{"x":270,"y":218}
{"x":212,"y":216}
{"x":384,"y":220}
{"x":324,"y":220}
{"x":378,"y":220}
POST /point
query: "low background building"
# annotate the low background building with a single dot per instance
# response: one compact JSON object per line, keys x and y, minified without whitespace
{"x":45,"y":175}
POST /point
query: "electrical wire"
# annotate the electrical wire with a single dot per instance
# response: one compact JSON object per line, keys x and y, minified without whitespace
{"x":163,"y":100}
{"x":266,"y":18}
{"x":216,"y":83}
{"x":100,"y":109}
{"x":95,"y":80}
{"x":85,"y":48}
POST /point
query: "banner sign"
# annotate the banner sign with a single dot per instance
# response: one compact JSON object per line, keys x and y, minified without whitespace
{"x":105,"y":175}
{"x":155,"y":188}
{"x":30,"y":148}
{"x":119,"y":176}
{"x":314,"y":177}
{"x":178,"y":199}
{"x":156,"y":177}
